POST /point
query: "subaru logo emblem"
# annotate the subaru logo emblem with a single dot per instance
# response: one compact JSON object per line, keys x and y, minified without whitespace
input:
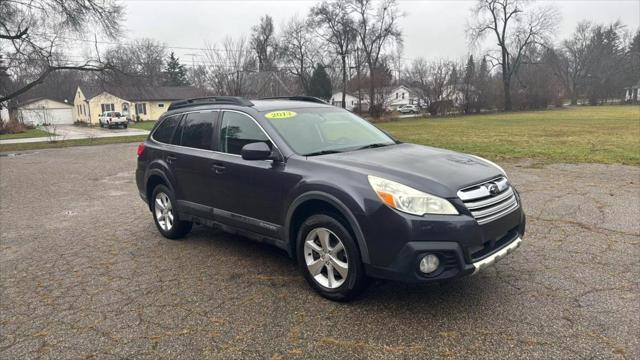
{"x":493,"y":188}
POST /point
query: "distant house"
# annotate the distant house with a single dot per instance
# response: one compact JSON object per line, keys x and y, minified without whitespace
{"x":396,"y":97}
{"x":632,"y":93}
{"x":44,"y":111}
{"x":351,"y":101}
{"x":4,"y":112}
{"x":137,"y":103}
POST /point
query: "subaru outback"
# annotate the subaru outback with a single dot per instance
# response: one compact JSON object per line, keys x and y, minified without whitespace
{"x":344,"y":198}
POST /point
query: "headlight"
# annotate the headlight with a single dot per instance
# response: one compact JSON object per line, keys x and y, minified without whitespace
{"x":409,"y":200}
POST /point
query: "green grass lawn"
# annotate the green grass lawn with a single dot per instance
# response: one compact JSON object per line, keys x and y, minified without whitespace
{"x":144,"y":125}
{"x":587,"y":134}
{"x":31,"y":133}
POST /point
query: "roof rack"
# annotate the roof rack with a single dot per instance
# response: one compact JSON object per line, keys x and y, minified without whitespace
{"x":216,"y":100}
{"x":297,"y":98}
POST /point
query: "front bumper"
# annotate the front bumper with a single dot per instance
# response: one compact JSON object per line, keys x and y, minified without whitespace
{"x":462,"y":245}
{"x":492,"y":259}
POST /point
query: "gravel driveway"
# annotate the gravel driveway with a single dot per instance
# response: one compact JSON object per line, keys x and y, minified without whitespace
{"x":84,"y":273}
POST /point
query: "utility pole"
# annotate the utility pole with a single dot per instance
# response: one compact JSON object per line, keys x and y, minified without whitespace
{"x":358,"y":79}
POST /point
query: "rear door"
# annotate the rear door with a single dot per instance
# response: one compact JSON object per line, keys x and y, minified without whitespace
{"x":194,"y":162}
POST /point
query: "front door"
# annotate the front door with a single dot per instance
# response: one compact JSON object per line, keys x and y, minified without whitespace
{"x":251,"y":193}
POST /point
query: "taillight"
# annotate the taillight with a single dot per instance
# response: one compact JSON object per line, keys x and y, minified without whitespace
{"x":140,"y":149}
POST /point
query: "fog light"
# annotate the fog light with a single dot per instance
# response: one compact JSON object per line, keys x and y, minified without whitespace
{"x":429,"y":263}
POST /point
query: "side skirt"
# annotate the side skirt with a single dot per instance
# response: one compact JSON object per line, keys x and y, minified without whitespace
{"x":233,"y":223}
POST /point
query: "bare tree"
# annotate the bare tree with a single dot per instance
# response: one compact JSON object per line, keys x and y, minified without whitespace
{"x":571,"y":61}
{"x":418,"y":75}
{"x":516,"y":28}
{"x":38,"y":33}
{"x":435,"y":82}
{"x":440,"y":90}
{"x":138,"y":63}
{"x":263,"y":42}
{"x":376,"y":28}
{"x":228,"y":66}
{"x":197,"y":76}
{"x":299,"y":50}
{"x":335,"y":27}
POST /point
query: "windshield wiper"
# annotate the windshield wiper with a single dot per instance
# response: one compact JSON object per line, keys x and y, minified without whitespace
{"x":374,"y":145}
{"x":323,"y":152}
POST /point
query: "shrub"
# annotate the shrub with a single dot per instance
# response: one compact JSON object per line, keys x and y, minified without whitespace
{"x":12,"y":126}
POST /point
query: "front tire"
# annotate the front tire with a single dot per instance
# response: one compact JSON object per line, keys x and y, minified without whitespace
{"x":165,"y":216}
{"x":330,"y":258}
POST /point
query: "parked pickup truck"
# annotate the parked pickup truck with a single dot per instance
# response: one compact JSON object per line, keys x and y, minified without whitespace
{"x":112,"y":118}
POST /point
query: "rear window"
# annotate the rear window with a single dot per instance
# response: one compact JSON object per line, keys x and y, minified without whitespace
{"x":165,"y":130}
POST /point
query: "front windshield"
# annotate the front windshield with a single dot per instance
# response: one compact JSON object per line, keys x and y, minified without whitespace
{"x":325,"y":130}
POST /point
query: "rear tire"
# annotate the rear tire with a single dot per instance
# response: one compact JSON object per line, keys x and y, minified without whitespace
{"x":330,"y":259}
{"x":165,"y":216}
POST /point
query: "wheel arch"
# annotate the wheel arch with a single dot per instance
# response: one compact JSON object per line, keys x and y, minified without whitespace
{"x":317,"y":202}
{"x":154,"y":178}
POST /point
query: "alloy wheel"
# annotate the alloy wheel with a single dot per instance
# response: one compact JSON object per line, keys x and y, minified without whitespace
{"x":164,"y":211}
{"x":326,"y":258}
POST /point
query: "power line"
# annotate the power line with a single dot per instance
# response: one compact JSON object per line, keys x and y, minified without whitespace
{"x":102,"y":42}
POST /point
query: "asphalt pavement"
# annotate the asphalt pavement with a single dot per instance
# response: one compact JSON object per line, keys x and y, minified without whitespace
{"x":85,"y":274}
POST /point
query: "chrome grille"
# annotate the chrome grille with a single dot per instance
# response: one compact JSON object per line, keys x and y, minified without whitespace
{"x":490,"y":200}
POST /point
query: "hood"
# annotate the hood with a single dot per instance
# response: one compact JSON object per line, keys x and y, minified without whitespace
{"x":436,"y":171}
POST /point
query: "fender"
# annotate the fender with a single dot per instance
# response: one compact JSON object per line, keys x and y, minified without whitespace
{"x":344,"y":211}
{"x":158,"y":170}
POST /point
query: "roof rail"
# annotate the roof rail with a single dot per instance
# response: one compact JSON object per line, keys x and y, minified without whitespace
{"x":297,"y":98}
{"x":215,"y":100}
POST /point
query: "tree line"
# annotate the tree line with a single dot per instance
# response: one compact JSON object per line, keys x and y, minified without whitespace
{"x":351,"y":46}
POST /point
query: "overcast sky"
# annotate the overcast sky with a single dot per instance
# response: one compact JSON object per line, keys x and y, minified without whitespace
{"x":430,"y":28}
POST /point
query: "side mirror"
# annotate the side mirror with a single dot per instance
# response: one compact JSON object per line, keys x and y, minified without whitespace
{"x":259,"y":151}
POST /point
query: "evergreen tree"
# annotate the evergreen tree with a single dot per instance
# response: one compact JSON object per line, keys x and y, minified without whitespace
{"x":633,"y":63}
{"x":482,"y":85}
{"x":320,"y":84}
{"x":468,"y":89}
{"x":176,"y":73}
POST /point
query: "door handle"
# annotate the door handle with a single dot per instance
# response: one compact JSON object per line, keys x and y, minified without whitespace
{"x":218,"y":168}
{"x":171,"y":158}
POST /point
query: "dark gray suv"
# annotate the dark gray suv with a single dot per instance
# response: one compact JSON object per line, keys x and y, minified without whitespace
{"x":343,"y":197}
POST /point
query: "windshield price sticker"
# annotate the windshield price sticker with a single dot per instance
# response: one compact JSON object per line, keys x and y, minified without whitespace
{"x":280,"y":114}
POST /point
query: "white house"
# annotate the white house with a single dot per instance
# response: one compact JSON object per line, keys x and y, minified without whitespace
{"x":40,"y":111}
{"x":401,"y":95}
{"x":351,"y":101}
{"x":4,"y":113}
{"x":632,"y":93}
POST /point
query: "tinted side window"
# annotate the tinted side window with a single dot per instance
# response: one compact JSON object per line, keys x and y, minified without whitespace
{"x":238,"y":130}
{"x":165,"y":129}
{"x":197,"y":130}
{"x":177,"y":136}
